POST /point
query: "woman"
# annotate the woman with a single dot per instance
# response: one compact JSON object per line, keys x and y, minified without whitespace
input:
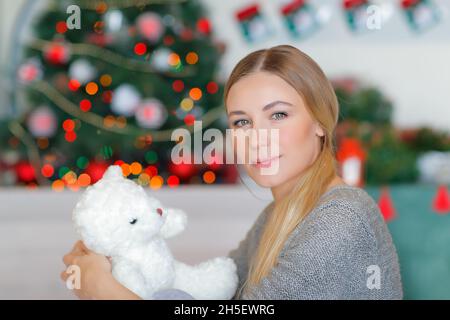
{"x":319,"y":238}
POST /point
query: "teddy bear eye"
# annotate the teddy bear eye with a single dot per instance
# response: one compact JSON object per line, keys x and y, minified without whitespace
{"x":133,"y":221}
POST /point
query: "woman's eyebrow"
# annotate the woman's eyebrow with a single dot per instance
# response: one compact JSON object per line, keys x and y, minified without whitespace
{"x":265,"y":108}
{"x":274,"y":103}
{"x":236,"y":112}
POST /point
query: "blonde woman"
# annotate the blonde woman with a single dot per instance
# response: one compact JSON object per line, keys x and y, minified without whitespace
{"x":319,"y":238}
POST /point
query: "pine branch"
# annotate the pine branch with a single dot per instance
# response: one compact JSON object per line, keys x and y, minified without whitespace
{"x":111,"y":57}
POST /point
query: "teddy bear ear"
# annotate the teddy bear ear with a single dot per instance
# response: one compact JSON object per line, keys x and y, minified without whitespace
{"x":113,"y":172}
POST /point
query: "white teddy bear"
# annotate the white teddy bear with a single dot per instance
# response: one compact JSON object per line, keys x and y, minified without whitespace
{"x":115,"y":217}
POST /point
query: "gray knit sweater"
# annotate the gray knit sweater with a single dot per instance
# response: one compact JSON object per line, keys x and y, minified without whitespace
{"x":341,"y":250}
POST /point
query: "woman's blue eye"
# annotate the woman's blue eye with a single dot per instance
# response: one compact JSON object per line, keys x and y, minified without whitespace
{"x":239,"y":123}
{"x":279,"y":115}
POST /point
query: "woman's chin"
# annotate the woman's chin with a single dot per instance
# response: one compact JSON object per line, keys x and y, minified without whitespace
{"x":265,"y":181}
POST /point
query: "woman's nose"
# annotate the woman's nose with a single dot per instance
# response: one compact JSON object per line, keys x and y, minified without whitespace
{"x":259,"y":138}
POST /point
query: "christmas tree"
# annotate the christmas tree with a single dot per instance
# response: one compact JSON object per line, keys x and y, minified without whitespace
{"x":107,"y":82}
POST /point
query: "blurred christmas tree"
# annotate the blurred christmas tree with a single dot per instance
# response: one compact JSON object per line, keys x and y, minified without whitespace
{"x":113,"y":91}
{"x":365,"y":115}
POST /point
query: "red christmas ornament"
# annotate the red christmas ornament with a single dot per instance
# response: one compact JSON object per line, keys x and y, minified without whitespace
{"x":173,"y":181}
{"x":57,"y":53}
{"x":29,"y":71}
{"x":212,"y":87}
{"x":183,"y":170}
{"x":441,"y":202}
{"x":96,"y":170}
{"x":189,"y":119}
{"x":386,"y":205}
{"x":61,"y":27}
{"x":150,"y":26}
{"x":204,"y":26}
{"x":140,"y":48}
{"x":25,"y":172}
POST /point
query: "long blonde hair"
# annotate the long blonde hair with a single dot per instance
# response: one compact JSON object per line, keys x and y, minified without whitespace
{"x":308,"y":79}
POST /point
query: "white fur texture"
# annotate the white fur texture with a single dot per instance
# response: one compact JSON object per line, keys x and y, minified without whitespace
{"x":141,"y":259}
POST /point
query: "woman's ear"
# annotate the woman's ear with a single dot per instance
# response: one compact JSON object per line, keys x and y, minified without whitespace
{"x":319,"y":131}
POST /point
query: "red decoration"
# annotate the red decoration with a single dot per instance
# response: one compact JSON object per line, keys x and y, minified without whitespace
{"x":348,"y":4}
{"x":74,"y":85}
{"x":70,"y":136}
{"x":25,"y":172}
{"x":140,"y":48}
{"x":47,"y":170}
{"x":351,"y":157}
{"x":150,"y":26}
{"x":61,"y":27}
{"x":173,"y":181}
{"x":85,"y":105}
{"x":107,"y":96}
{"x":118,"y":162}
{"x":189,"y":119}
{"x":29,"y":71}
{"x":151,"y":171}
{"x":409,"y":3}
{"x":386,"y":205}
{"x":183,"y":170}
{"x":178,"y":85}
{"x":96,"y":170}
{"x":441,"y":202}
{"x":247,"y":12}
{"x":42,"y":122}
{"x":291,"y":7}
{"x":159,"y":211}
{"x":212,"y":87}
{"x":68,"y":125}
{"x":204,"y":26}
{"x":57,"y":53}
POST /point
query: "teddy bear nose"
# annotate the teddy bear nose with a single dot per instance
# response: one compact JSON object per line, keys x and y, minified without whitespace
{"x":159,"y":211}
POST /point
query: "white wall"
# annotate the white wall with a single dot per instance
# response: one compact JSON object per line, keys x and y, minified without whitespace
{"x":413,"y":70}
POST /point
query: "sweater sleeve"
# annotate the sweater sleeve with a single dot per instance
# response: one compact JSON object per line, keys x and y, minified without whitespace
{"x":241,"y":254}
{"x":328,"y":259}
{"x":240,"y":257}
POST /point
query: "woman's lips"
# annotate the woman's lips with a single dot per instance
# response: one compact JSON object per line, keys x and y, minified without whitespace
{"x":265,"y":163}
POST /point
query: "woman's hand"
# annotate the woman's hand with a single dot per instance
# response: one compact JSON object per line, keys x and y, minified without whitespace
{"x":95,"y":277}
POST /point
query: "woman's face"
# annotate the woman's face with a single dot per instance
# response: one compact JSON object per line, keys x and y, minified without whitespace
{"x":263,"y":100}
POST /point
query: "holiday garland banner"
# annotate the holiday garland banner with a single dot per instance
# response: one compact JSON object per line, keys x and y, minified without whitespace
{"x":303,"y":18}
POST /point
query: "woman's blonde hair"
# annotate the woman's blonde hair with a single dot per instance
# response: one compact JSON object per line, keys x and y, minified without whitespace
{"x":308,"y":79}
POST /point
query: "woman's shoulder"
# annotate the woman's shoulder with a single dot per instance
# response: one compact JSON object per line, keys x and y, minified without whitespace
{"x":351,"y":210}
{"x":356,"y":200}
{"x":343,"y":195}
